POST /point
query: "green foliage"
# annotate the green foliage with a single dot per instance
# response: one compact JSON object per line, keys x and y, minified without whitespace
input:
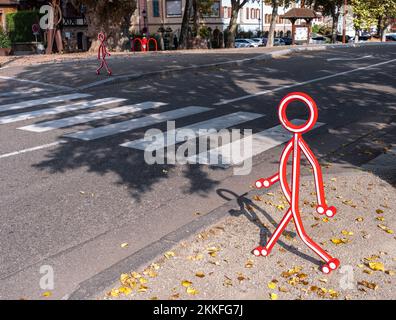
{"x":204,"y":32}
{"x":19,"y":25}
{"x":5,"y":41}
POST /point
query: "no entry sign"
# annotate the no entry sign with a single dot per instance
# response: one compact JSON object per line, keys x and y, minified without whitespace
{"x":36,"y":29}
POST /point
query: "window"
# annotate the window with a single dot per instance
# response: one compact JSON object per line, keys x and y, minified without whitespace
{"x":247,"y":13}
{"x":225,"y":13}
{"x":214,"y":11}
{"x":156,"y":10}
{"x":252,"y":15}
{"x":173,"y":8}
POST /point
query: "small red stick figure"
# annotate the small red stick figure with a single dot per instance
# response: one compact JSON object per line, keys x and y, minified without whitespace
{"x":295,"y":146}
{"x":144,"y":43}
{"x":102,"y":54}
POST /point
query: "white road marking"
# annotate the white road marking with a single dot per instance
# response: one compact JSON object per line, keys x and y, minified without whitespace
{"x":223,"y":102}
{"x":22,"y":93}
{"x":60,"y":109}
{"x":156,"y":142}
{"x":348,"y":59}
{"x":136,"y":123}
{"x":44,"y":146}
{"x":229,"y":154}
{"x":37,"y":82}
{"x":84,"y":118}
{"x":42,"y":101}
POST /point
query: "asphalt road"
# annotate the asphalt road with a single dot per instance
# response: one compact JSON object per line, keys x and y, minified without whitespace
{"x":71,"y":205}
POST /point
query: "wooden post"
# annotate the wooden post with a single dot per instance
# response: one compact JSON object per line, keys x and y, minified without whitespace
{"x":293,"y":21}
{"x":309,"y":29}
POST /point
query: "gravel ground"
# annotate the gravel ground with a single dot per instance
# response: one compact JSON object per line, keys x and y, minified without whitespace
{"x":218,"y":264}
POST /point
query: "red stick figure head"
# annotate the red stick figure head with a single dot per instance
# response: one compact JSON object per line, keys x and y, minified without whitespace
{"x":101,"y":37}
{"x":313,"y":112}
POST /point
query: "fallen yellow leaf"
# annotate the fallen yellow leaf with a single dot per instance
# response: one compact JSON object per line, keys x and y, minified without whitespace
{"x":249,"y":264}
{"x":124,"y":245}
{"x":273,"y":296}
{"x":47,"y":294}
{"x":192,"y":291}
{"x":271,"y":285}
{"x":200,"y":274}
{"x":379,"y":211}
{"x":338,"y":241}
{"x":347,"y":233}
{"x":114,"y":293}
{"x":125,"y":290}
{"x":376,"y":266}
{"x":169,"y":254}
{"x":186,"y":283}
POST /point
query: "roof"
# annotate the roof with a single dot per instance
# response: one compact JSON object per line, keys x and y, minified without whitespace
{"x":299,"y":13}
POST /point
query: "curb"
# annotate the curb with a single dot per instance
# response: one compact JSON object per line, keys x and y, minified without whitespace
{"x":89,"y":288}
{"x":240,"y":62}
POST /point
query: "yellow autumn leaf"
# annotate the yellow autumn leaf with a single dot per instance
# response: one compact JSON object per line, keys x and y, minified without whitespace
{"x":136,"y":275}
{"x":125,"y":290}
{"x":376,"y":266}
{"x":192,"y":291}
{"x":390,"y":272}
{"x":380,"y":218}
{"x":273,"y":296}
{"x":249,"y":264}
{"x":143,"y":280}
{"x":155,"y":266}
{"x":186,"y":283}
{"x":114,"y":293}
{"x":47,"y":294}
{"x":200,"y":274}
{"x":142,"y":288}
{"x":338,"y":241}
{"x":347,"y":233}
{"x":385,"y":228}
{"x":124,"y":245}
{"x":379,"y":211}
{"x":359,"y":219}
{"x":150,"y":272}
{"x":257,"y":198}
{"x":169,"y":254}
{"x":271,"y":285}
{"x":213,"y":251}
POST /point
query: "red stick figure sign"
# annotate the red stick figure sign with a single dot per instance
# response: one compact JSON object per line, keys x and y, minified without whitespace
{"x":294,"y":147}
{"x":102,"y":54}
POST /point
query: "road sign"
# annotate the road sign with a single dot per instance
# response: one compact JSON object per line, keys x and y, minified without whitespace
{"x":36,"y":29}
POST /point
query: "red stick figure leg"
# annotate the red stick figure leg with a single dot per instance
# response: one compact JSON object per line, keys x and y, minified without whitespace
{"x":266,"y":250}
{"x":100,"y":67}
{"x":107,"y":67}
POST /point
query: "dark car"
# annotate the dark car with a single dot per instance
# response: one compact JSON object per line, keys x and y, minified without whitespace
{"x":391,"y":37}
{"x":288,"y":41}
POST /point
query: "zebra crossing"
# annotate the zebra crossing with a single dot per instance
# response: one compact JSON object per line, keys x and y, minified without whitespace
{"x":85,"y":103}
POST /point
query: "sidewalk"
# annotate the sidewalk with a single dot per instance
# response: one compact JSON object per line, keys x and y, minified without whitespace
{"x":78,"y":70}
{"x":217,"y":263}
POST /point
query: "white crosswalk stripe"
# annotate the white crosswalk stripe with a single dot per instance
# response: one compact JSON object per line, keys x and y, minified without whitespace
{"x":42,"y":101}
{"x":136,"y":123}
{"x":60,"y":109}
{"x":84,"y":118}
{"x":233,"y":153}
{"x":160,"y":141}
{"x":21,"y":92}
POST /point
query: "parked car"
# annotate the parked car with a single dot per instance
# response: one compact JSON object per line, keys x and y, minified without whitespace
{"x":279,"y":42}
{"x":259,"y":41}
{"x":318,"y":39}
{"x":245,"y":43}
{"x":391,"y":37}
{"x":241,"y":43}
{"x":288,"y":41}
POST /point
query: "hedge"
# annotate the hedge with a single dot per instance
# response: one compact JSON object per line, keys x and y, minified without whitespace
{"x":19,"y":25}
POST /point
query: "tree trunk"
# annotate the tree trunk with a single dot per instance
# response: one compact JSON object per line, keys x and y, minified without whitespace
{"x":183,"y":40}
{"x":274,"y":15}
{"x":232,"y":27}
{"x":195,"y":16}
{"x":334,"y":28}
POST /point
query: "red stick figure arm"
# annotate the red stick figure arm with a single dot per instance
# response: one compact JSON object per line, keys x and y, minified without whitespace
{"x":267,"y":182}
{"x":320,"y":194}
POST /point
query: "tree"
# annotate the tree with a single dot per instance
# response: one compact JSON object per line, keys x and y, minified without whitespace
{"x":363,"y":17}
{"x":110,"y":16}
{"x":236,"y":5}
{"x":275,"y":4}
{"x":193,"y":11}
{"x":329,"y":8}
{"x":385,"y":12}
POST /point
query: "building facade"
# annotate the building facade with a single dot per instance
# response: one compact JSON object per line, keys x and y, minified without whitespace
{"x":255,"y":17}
{"x":7,"y":6}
